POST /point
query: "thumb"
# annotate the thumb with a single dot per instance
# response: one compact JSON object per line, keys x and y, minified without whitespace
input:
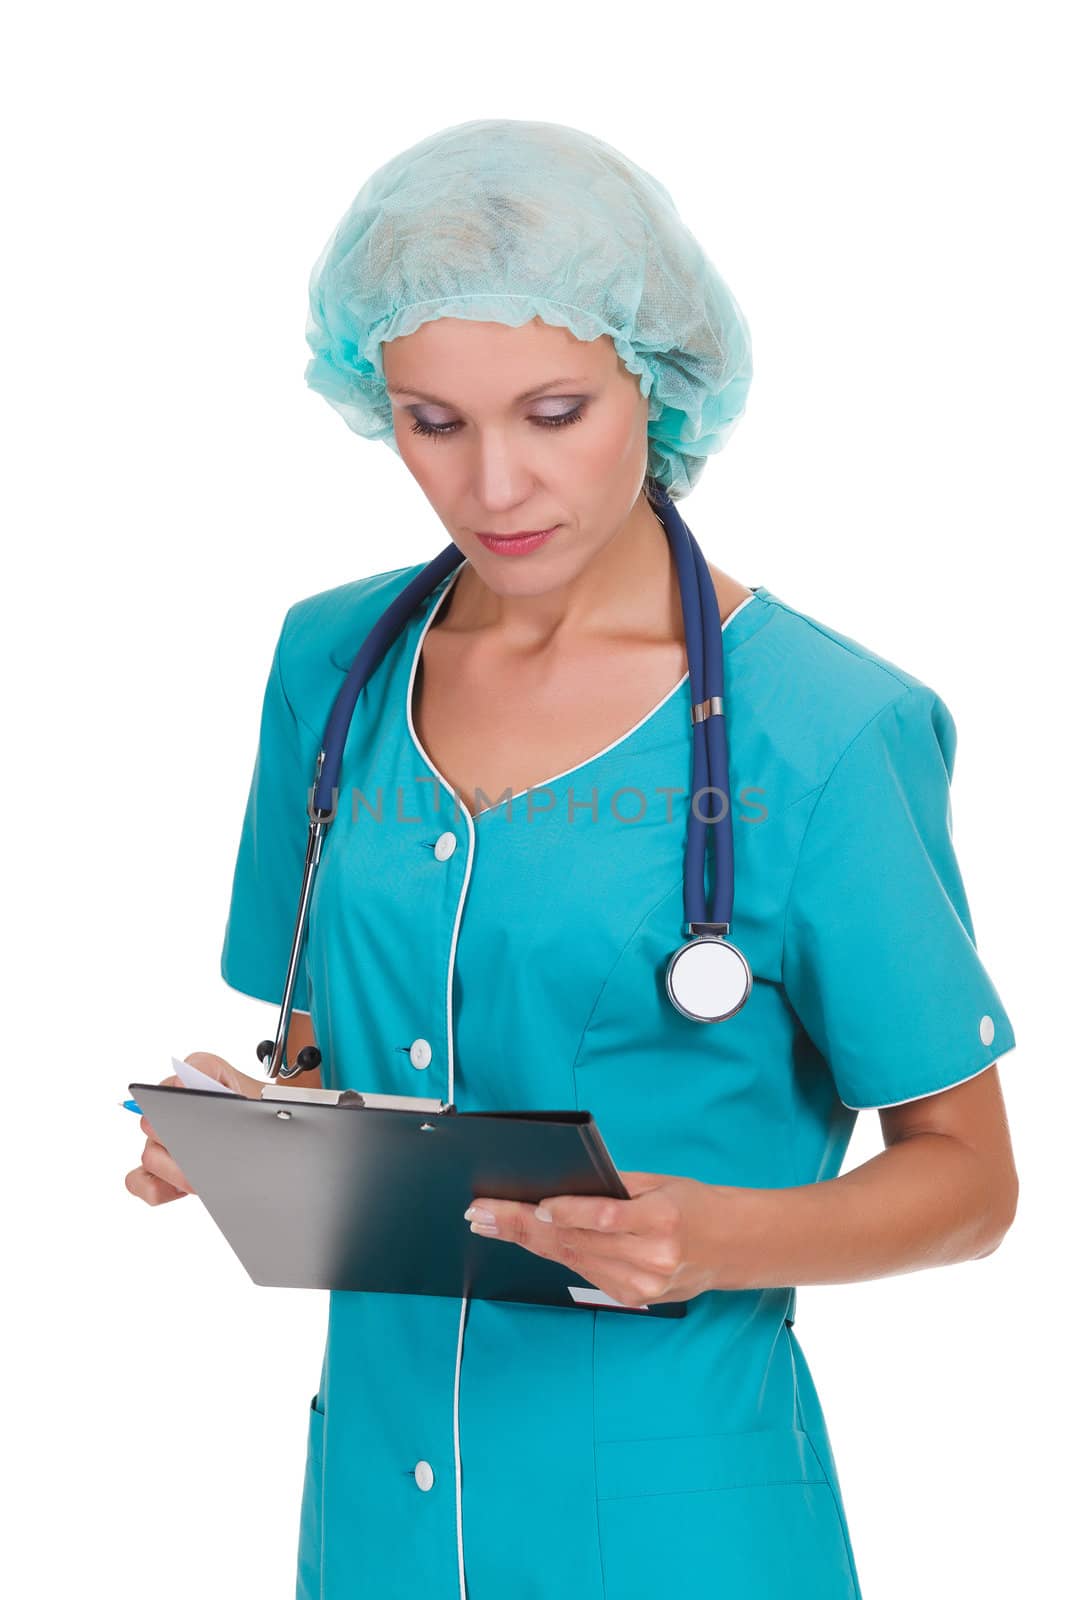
{"x":218,"y":1067}
{"x":640,"y":1182}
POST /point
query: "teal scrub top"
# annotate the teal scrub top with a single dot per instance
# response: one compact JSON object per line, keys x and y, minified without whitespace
{"x":467,"y":1449}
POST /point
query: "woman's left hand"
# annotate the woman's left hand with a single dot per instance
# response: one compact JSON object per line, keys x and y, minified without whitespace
{"x":658,"y":1245}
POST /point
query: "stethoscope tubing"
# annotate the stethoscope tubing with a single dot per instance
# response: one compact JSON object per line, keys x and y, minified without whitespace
{"x":384,"y":633}
{"x":709,"y":757}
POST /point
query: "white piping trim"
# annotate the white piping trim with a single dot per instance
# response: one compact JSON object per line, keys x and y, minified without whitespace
{"x":455,"y":1450}
{"x":451,"y":1057}
{"x":567,"y":771}
{"x":883,"y":1105}
{"x":736,"y":609}
{"x":458,"y":798}
{"x":464,"y":1303}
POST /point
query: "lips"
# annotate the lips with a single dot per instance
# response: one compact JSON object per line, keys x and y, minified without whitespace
{"x":524,"y":533}
{"x":515,"y":544}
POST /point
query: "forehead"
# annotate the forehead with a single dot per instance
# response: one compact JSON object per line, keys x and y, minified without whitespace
{"x":451,"y":357}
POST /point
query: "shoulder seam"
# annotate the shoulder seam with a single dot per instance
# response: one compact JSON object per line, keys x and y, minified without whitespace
{"x":311,"y":601}
{"x":822,"y":787}
{"x":848,"y":649}
{"x":322,"y":595}
{"x":297,"y":718}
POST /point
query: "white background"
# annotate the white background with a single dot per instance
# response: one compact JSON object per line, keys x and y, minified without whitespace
{"x":881,"y":188}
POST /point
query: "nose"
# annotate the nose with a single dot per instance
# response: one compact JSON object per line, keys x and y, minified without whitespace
{"x":502,"y":477}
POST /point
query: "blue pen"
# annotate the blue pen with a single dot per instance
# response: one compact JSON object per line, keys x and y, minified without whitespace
{"x":131,"y":1105}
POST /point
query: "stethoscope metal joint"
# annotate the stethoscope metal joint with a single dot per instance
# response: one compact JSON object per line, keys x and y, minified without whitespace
{"x":273,"y":1051}
{"x":707,"y":979}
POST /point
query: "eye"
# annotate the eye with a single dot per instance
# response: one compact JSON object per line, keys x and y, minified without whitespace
{"x":561,"y":421}
{"x":432,"y":430}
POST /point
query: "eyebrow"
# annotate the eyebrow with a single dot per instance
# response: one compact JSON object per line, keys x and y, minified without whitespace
{"x":527,"y":394}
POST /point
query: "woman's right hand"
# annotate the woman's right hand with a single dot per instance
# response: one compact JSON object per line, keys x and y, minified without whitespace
{"x":159,"y":1177}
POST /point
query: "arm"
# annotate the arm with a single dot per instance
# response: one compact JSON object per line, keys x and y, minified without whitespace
{"x":159,"y":1178}
{"x":943,"y":1190}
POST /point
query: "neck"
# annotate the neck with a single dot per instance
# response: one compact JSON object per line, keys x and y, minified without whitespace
{"x":629,"y":589}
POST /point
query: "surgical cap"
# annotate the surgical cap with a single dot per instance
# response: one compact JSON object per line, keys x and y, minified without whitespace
{"x":497,"y":220}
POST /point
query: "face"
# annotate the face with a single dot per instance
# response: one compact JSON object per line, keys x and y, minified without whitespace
{"x":518,"y":430}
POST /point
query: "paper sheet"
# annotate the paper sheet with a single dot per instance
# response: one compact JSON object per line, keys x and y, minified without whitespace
{"x":193,"y":1078}
{"x":597,"y":1297}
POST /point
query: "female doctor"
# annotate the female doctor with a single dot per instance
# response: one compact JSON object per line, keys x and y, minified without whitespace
{"x":520,"y":313}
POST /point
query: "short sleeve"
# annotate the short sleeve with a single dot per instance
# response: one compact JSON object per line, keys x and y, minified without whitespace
{"x":270,"y":854}
{"x":879,"y":958}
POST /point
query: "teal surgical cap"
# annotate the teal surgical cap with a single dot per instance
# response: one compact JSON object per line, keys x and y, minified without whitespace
{"x":502,"y":221}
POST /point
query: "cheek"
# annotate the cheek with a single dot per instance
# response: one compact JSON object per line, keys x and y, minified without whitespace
{"x":430,"y":462}
{"x":601,"y":462}
{"x":616,"y":434}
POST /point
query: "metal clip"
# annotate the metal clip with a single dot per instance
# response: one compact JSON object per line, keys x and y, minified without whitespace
{"x":315,"y":812}
{"x":703,"y":709}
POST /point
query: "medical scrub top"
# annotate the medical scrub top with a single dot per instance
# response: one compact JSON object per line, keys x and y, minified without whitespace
{"x":466,"y":1449}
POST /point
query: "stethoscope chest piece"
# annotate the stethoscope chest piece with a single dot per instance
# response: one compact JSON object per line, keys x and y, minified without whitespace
{"x":708,"y":979}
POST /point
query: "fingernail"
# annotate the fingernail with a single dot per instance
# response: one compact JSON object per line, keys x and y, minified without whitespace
{"x":479,"y":1214}
{"x":543,"y":1214}
{"x":482,"y":1227}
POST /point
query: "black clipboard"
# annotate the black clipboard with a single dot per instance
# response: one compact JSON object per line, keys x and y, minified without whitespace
{"x":335,"y":1190}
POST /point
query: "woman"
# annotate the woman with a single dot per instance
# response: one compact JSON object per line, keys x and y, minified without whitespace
{"x":521,"y":314}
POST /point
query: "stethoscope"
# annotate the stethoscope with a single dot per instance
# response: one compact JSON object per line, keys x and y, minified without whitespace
{"x":708,"y":979}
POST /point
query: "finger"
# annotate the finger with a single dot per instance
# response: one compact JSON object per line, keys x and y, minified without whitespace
{"x":146,"y":1126}
{"x":154,"y":1191}
{"x":655,"y":1270}
{"x":596,"y":1213}
{"x":516,"y":1222}
{"x":656,"y":1254}
{"x":628,"y":1288}
{"x":619,"y":1255}
{"x":517,"y":1218}
{"x":650,"y":1261}
{"x":158,"y":1160}
{"x":214,"y":1066}
{"x":573,"y":1245}
{"x":639,"y":1183}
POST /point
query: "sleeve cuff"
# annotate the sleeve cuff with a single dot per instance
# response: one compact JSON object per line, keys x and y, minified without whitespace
{"x":1003,"y":1047}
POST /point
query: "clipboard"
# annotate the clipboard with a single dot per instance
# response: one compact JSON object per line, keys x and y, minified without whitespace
{"x":334,"y":1189}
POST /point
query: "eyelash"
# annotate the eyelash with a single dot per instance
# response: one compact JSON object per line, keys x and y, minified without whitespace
{"x":427,"y":429}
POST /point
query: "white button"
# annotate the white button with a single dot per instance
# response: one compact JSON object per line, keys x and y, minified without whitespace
{"x":424,"y":1474}
{"x":986,"y":1030}
{"x":420,"y":1052}
{"x":444,"y":846}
